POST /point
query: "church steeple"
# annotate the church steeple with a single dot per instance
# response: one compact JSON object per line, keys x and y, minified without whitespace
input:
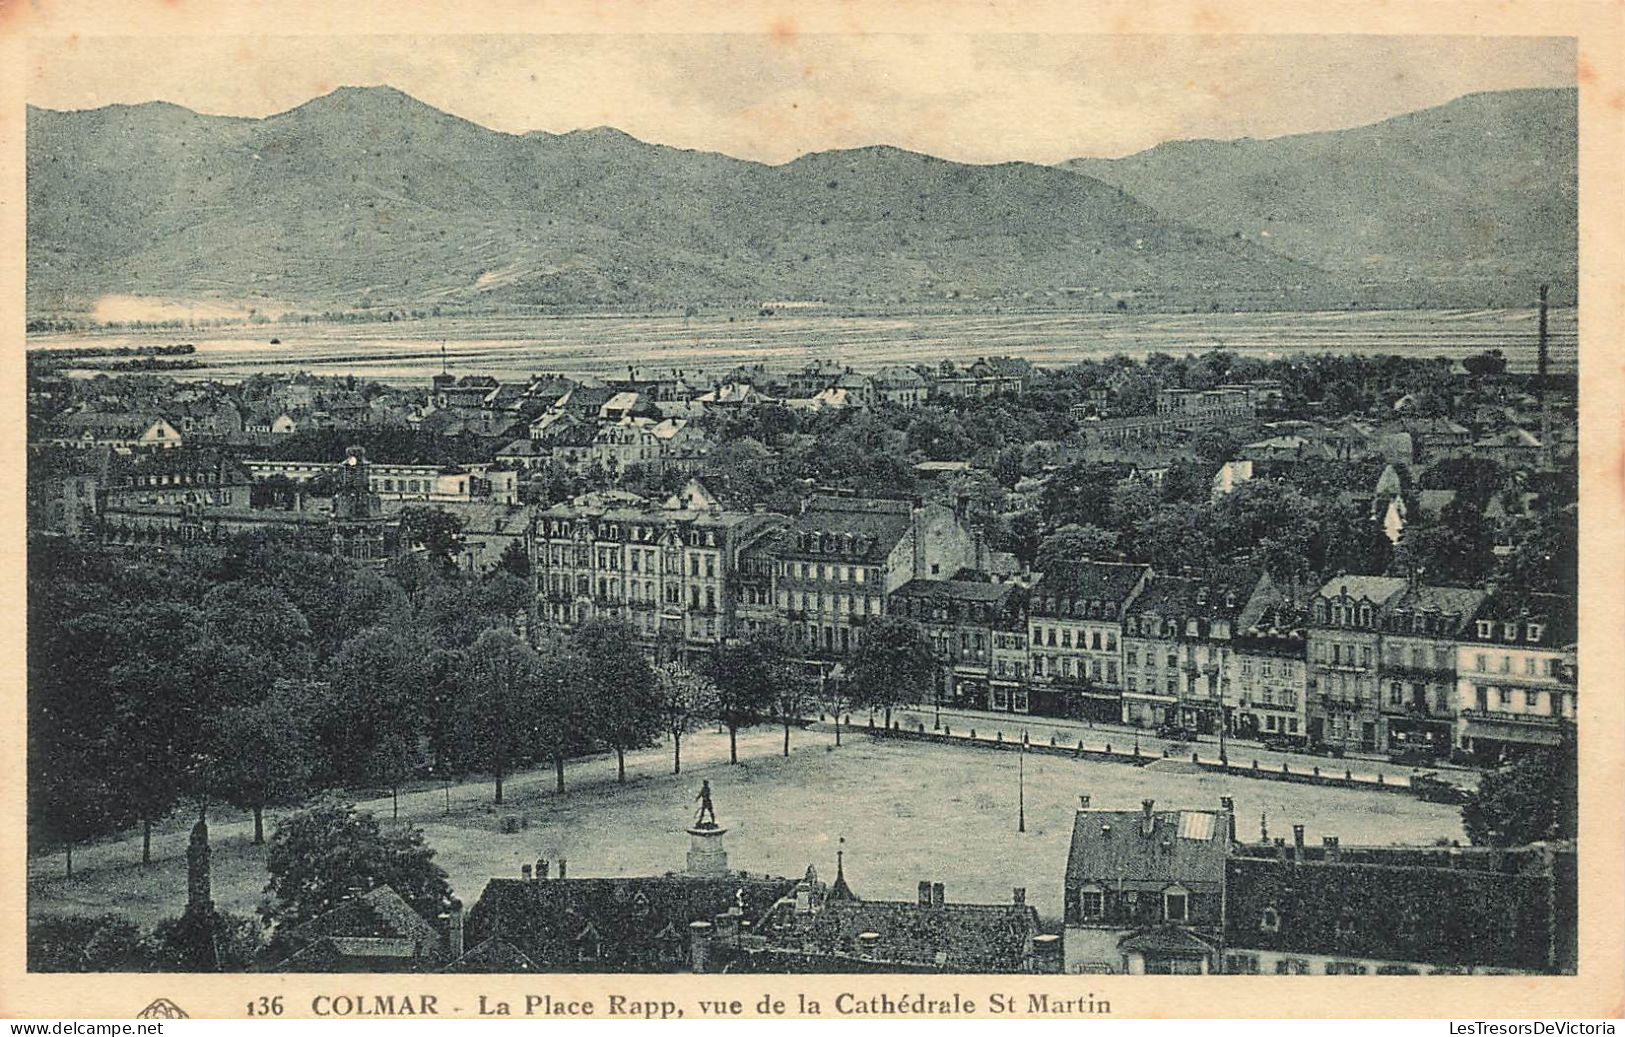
{"x":840,"y":890}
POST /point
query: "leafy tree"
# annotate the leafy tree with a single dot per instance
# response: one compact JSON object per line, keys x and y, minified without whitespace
{"x":515,"y":560}
{"x":105,"y":943}
{"x":264,"y":623}
{"x":1070,"y":543}
{"x":564,"y":717}
{"x":1531,"y":800}
{"x":893,"y":665}
{"x":437,"y":531}
{"x":327,"y":853}
{"x":1545,"y":557}
{"x":744,"y":679}
{"x":496,"y":707}
{"x":372,"y":727}
{"x":1489,"y":362}
{"x":1213,"y":447}
{"x":619,"y":685}
{"x":262,"y":752}
{"x":1079,"y":494}
{"x":686,"y":699}
{"x":233,"y":943}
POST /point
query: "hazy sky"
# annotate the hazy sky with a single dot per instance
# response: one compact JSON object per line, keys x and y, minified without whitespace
{"x":971,"y":98}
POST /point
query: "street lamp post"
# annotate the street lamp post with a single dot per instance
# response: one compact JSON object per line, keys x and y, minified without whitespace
{"x":936,"y":694}
{"x":1021,"y":783}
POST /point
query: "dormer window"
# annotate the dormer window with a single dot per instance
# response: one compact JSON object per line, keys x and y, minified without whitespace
{"x":1509,"y":631}
{"x":1345,"y":924}
{"x":1270,"y":920}
{"x":1486,"y":630}
{"x":1175,"y":904}
{"x":1535,"y":632}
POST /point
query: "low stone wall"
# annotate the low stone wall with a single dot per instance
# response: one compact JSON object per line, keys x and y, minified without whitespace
{"x":1336,"y":774}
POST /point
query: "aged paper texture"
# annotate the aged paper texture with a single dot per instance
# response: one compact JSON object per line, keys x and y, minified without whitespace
{"x":825,"y":510}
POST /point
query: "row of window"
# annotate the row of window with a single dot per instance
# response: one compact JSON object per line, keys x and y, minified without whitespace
{"x":1067,"y":666}
{"x":1532,"y":632}
{"x":818,"y":601}
{"x":562,"y":529}
{"x":1531,"y":665}
{"x":1091,"y":640}
{"x":830,"y":573}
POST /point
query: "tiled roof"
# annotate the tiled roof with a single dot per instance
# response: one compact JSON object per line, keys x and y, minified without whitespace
{"x":1437,"y":913}
{"x":376,"y":932}
{"x":953,"y":937}
{"x":1556,"y":613}
{"x":494,"y":956}
{"x":964,"y":590}
{"x":850,"y":528}
{"x":1378,"y":589}
{"x":622,"y":924}
{"x":1109,"y":847}
{"x":1096,"y":589}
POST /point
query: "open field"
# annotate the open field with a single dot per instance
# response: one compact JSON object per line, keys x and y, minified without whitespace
{"x":513,"y":347}
{"x":907,"y":812}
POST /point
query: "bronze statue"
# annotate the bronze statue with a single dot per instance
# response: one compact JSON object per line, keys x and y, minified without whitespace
{"x":706,"y":809}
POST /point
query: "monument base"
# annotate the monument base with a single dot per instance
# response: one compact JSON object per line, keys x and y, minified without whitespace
{"x":706,"y":857}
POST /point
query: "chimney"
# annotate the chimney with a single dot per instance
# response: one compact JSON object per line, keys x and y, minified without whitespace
{"x":1228,"y":806}
{"x":561,"y":869}
{"x":524,"y":872}
{"x":937,"y":895}
{"x":1297,"y":839}
{"x":868,"y":943}
{"x":925,"y":894}
{"x":1148,"y":823}
{"x":1018,"y":896}
{"x":454,"y":929}
{"x":541,"y":869}
{"x":1083,"y":802}
{"x":699,"y":946}
{"x":1280,"y":849}
{"x":1334,"y":848}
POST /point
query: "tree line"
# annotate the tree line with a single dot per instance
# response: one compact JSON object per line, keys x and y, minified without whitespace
{"x":260,"y":674}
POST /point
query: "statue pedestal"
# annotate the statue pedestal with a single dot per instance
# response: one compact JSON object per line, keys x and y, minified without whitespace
{"x":706,"y":857}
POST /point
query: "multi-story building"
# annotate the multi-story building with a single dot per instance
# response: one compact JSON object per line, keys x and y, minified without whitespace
{"x":1007,"y":685}
{"x":1075,"y":620}
{"x":960,"y":618}
{"x":647,"y":442}
{"x":123,"y":432}
{"x":899,"y":385}
{"x":1420,"y":629}
{"x":1174,"y":891}
{"x":1515,"y":674}
{"x":841,"y":558}
{"x":1152,"y":682}
{"x":1331,"y":910}
{"x":1344,"y":645}
{"x":1269,"y":675}
{"x":1177,"y":637}
{"x":667,"y":571}
{"x":1145,"y":890}
{"x":448,"y":484}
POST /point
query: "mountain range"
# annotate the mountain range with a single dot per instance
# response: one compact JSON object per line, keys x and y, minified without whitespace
{"x":366,"y":195}
{"x":1477,"y":195}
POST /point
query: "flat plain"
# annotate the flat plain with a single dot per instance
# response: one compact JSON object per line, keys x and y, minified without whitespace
{"x":513,"y":346}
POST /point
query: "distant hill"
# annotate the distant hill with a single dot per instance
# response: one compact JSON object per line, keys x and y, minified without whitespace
{"x":368,"y":194}
{"x":1476,"y":199}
